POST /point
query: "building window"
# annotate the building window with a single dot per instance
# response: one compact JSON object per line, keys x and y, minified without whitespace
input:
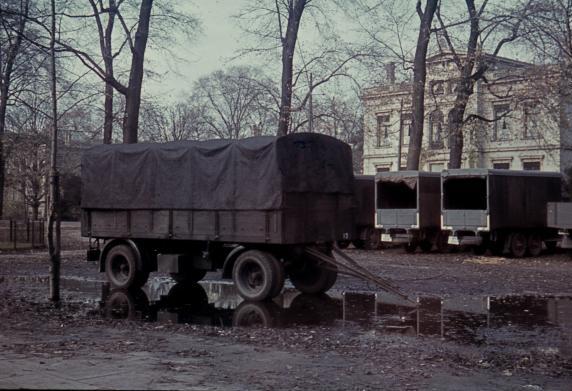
{"x":381,"y":168}
{"x":532,"y":166}
{"x":436,"y":167}
{"x":502,"y":122}
{"x":531,"y":121}
{"x":406,"y":121}
{"x":436,"y":130}
{"x":437,"y":87}
{"x":452,"y":86}
{"x":382,"y":135}
{"x":501,"y":166}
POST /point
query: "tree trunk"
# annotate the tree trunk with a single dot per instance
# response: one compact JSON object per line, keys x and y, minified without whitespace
{"x":133,"y":98}
{"x":54,"y":240}
{"x":13,"y":52}
{"x":288,"y":48}
{"x":108,"y":61}
{"x":465,"y":88}
{"x":456,"y":141}
{"x":419,"y":78}
{"x":108,"y":119}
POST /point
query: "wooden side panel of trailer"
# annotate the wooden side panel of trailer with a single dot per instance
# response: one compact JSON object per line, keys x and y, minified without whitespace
{"x":429,"y":201}
{"x":307,"y":218}
{"x":520,"y":201}
{"x":226,"y":226}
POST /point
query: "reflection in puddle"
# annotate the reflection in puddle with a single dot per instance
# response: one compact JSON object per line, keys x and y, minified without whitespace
{"x":464,"y":320}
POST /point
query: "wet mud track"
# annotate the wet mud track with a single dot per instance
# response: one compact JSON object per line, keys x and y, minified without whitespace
{"x":477,"y":323}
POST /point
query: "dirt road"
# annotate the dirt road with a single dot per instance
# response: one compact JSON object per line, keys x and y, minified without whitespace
{"x":483,"y":323}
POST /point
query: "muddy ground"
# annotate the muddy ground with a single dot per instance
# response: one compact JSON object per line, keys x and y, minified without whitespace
{"x":483,"y":323}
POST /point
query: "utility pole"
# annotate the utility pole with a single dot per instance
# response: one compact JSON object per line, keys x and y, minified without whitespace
{"x":311,"y":107}
{"x":54,"y":238}
{"x":400,"y":143}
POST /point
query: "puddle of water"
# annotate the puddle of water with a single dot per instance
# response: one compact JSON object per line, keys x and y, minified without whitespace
{"x":472,"y":320}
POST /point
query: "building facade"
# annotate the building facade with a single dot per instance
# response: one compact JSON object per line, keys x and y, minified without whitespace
{"x":515,"y":119}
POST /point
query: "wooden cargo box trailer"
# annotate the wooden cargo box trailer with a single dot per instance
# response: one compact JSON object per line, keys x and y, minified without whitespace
{"x":250,"y":207}
{"x":408,"y":208}
{"x":559,"y":216}
{"x":500,"y":210}
{"x":364,"y":235}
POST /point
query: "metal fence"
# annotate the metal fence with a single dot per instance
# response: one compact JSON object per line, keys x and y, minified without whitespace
{"x":21,"y":234}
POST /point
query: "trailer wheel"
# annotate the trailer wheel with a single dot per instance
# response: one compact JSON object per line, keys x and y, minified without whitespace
{"x":121,"y":268}
{"x":534,"y":244}
{"x":372,"y":239}
{"x":280,"y":275}
{"x":193,"y":275}
{"x":517,"y":244}
{"x":310,"y":277}
{"x":255,"y":275}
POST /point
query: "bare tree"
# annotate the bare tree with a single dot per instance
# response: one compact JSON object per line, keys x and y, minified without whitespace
{"x":172,"y":122}
{"x":54,"y":232}
{"x":124,"y":31}
{"x":419,"y":78}
{"x":473,"y":57}
{"x":236,"y":103}
{"x":13,"y":27}
{"x":277,"y":26}
{"x":27,"y":169}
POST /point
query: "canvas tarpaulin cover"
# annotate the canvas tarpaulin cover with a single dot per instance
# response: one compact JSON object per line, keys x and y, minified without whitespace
{"x":409,"y":178}
{"x":247,"y":174}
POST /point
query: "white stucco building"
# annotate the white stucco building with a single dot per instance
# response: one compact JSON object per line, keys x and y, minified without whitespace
{"x":519,"y":120}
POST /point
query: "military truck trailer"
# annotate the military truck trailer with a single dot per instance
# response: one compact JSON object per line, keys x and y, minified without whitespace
{"x":559,"y":216}
{"x":500,"y":210}
{"x":249,"y":207}
{"x":408,"y":209}
{"x":364,"y":234}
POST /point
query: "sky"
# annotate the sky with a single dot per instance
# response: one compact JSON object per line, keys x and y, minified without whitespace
{"x":214,"y":48}
{"x":209,"y":51}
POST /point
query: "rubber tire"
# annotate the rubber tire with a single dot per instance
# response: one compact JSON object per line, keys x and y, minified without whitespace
{"x":311,"y":278}
{"x":518,"y":245}
{"x":426,"y":245}
{"x":534,"y":244}
{"x":372,"y":239}
{"x":262,"y":285}
{"x":280,"y":275}
{"x":194,"y":275}
{"x":122,"y":256}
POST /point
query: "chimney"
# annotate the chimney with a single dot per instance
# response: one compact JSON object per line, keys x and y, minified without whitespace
{"x":390,"y":72}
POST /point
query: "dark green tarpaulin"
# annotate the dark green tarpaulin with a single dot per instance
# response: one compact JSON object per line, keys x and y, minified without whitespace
{"x":248,"y":174}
